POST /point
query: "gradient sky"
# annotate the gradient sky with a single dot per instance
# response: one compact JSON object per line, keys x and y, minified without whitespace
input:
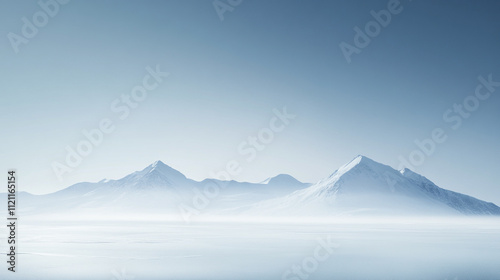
{"x":226,"y":77}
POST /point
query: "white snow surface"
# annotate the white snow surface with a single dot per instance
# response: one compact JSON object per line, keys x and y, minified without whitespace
{"x":384,"y":223}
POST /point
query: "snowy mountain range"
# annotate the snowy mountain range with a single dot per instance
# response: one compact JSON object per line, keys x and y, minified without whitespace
{"x":364,"y":186}
{"x":360,"y":187}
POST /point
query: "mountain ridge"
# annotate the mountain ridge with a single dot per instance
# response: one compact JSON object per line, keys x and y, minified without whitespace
{"x":366,"y":184}
{"x":360,"y":186}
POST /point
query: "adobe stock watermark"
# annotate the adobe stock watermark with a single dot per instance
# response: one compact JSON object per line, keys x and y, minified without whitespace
{"x":121,"y":107}
{"x":223,"y":6}
{"x":363,"y":37}
{"x":248,"y":148}
{"x":48,"y":9}
{"x":455,"y":117}
{"x":310,"y":264}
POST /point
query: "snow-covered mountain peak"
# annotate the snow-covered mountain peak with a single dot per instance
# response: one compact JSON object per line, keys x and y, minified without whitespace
{"x":361,"y":164}
{"x":282,"y":179}
{"x":366,"y":185}
{"x":155,"y":174}
{"x":360,"y":186}
{"x":158,"y":164}
{"x":360,"y":175}
{"x":160,"y":167}
{"x":360,"y":160}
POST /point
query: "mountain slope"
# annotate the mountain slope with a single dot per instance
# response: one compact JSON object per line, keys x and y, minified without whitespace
{"x":462,"y":203}
{"x":361,"y":186}
{"x":368,"y":187}
{"x":158,"y":188}
{"x":158,"y":174}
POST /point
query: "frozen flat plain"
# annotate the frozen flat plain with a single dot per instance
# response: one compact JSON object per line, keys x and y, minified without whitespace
{"x":368,"y":248}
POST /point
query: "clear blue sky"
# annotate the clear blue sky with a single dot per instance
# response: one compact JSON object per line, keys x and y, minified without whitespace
{"x":227,"y":76}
